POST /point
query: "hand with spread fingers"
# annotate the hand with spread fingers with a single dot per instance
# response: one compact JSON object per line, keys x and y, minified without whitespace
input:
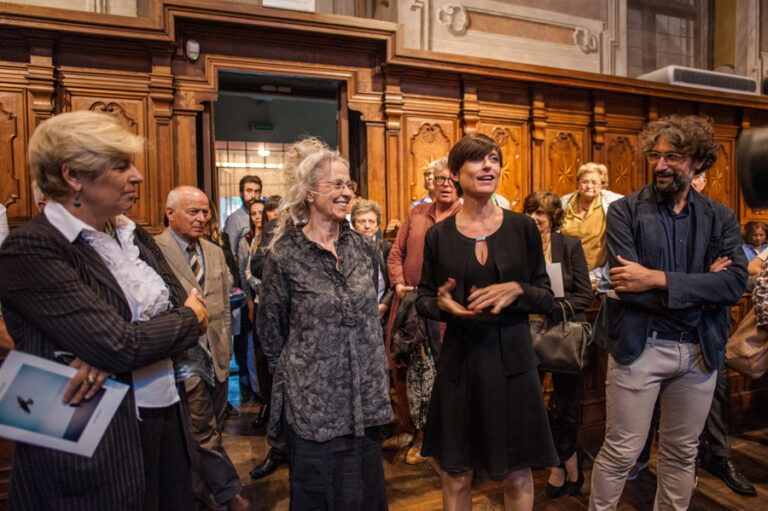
{"x":496,"y":296}
{"x":445,"y":301}
{"x":85,"y":384}
{"x":633,"y":277}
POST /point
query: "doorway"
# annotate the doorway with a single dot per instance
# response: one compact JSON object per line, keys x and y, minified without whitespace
{"x":255,"y":120}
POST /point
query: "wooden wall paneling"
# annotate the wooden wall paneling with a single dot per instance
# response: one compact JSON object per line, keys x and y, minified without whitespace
{"x":598,"y":126}
{"x":564,"y":150}
{"x":538,"y":138}
{"x":428,"y":139}
{"x":470,"y":107}
{"x":160,"y":131}
{"x":719,"y":176}
{"x":514,"y":182}
{"x":622,"y":161}
{"x":397,"y":200}
{"x":132,"y":111}
{"x":13,"y":185}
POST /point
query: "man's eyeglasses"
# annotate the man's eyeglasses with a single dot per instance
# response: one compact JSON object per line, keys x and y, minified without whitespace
{"x":443,"y":180}
{"x":671,"y":158}
{"x":338,"y":185}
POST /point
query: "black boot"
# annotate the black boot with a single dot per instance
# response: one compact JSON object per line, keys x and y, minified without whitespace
{"x":724,"y":468}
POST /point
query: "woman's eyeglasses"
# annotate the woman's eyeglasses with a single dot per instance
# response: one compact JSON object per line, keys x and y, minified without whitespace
{"x":338,"y":185}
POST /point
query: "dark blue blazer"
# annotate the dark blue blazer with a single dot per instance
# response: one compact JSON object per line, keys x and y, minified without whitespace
{"x":634,"y":232}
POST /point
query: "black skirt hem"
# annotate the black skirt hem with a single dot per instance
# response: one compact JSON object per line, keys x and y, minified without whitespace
{"x":484,"y":473}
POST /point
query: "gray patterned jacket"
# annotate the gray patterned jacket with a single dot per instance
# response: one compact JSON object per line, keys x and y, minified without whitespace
{"x":319,"y":328}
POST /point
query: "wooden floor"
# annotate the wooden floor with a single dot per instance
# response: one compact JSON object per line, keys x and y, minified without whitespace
{"x":417,"y":488}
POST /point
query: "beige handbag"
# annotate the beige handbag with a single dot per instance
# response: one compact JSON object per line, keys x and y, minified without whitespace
{"x":747,"y":349}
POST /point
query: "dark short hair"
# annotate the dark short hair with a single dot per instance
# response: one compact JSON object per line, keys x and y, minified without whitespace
{"x":547,"y":202}
{"x":249,"y":179}
{"x":690,"y":134}
{"x":472,"y":147}
{"x":751,"y":227}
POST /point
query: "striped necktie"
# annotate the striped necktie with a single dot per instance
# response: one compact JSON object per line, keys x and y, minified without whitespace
{"x":197,"y":268}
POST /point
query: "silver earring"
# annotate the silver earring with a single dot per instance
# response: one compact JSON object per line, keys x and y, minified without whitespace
{"x":77,"y":202}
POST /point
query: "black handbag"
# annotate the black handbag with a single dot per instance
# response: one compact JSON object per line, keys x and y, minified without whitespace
{"x":562,"y":347}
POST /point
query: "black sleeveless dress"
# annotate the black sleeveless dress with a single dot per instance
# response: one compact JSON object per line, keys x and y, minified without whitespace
{"x":486,"y":421}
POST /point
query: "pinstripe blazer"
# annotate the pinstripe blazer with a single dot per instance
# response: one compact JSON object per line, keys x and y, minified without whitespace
{"x":58,"y":295}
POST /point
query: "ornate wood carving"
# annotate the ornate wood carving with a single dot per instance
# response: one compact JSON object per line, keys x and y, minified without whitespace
{"x":720,"y":174}
{"x":621,"y":162}
{"x":514,"y":184}
{"x":564,"y":157}
{"x":430,"y":140}
{"x":9,"y":180}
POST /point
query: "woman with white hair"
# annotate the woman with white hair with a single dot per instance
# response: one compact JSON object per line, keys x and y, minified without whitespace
{"x":319,"y":327}
{"x":585,"y":213}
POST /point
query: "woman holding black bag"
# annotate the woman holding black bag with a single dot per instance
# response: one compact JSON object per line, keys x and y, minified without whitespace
{"x":565,"y":404}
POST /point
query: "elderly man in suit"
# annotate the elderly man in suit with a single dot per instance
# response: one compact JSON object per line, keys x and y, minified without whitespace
{"x":199,"y":264}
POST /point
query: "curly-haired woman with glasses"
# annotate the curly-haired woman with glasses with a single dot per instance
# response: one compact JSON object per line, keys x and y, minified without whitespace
{"x":318,"y":323}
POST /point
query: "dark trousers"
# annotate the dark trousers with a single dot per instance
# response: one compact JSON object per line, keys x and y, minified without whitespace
{"x":565,"y":413}
{"x":240,"y":349}
{"x":345,"y":473}
{"x":717,"y":433}
{"x":214,"y":473}
{"x":166,"y":460}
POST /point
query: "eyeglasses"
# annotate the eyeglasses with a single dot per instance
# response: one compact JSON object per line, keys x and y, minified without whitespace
{"x":671,"y":158}
{"x":587,"y":182}
{"x":338,"y":185}
{"x":443,"y":180}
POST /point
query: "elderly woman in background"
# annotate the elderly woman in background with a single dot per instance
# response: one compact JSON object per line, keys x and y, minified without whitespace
{"x":585,"y":214}
{"x":82,"y":282}
{"x":366,"y":219}
{"x":319,"y":326}
{"x":754,"y":239}
{"x":484,"y":273}
{"x":565,"y":404}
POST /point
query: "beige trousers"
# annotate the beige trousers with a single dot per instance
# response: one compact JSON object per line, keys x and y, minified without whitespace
{"x":676,"y":374}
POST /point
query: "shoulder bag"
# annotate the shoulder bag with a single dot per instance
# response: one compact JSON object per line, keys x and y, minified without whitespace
{"x":562,"y":347}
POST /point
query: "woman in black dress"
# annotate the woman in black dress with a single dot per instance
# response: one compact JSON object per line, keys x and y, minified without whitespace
{"x":565,"y":403}
{"x":484,"y":272}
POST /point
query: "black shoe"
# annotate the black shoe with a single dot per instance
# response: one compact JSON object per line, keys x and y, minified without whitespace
{"x":271,"y":463}
{"x":261,"y":418}
{"x":573,"y":487}
{"x":555,"y":492}
{"x":230,"y":411}
{"x":723,"y":468}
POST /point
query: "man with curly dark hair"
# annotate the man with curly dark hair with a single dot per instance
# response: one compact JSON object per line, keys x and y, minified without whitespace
{"x":665,"y":322}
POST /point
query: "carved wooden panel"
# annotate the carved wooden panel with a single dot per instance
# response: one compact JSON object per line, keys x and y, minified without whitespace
{"x":428,"y":140}
{"x":720,"y":175}
{"x":13,"y":190}
{"x":132,"y":112}
{"x":514,"y":182}
{"x":564,"y":154}
{"x":622,"y":162}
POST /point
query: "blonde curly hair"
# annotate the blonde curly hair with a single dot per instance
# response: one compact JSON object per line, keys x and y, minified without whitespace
{"x":303,"y":164}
